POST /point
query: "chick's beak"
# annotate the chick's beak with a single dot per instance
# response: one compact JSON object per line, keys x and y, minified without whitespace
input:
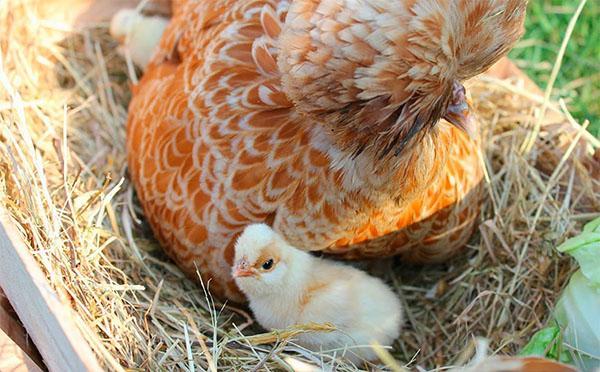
{"x":242,"y":270}
{"x":459,"y":111}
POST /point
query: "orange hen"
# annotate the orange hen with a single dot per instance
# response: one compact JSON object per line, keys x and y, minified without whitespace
{"x":322,"y":118}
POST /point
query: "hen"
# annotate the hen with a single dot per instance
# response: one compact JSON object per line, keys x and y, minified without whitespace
{"x":322,"y":118}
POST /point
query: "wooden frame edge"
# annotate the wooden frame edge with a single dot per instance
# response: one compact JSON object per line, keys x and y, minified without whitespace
{"x":13,"y":358}
{"x":47,"y":320}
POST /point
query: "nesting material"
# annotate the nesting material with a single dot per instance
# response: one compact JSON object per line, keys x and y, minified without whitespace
{"x":63,"y":178}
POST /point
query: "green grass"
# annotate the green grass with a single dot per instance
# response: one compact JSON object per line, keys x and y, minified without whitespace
{"x":578,"y":82}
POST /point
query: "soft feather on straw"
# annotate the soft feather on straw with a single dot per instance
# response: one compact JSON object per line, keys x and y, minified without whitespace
{"x":63,"y":178}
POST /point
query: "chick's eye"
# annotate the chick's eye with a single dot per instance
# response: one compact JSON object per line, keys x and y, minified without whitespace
{"x":267,"y":265}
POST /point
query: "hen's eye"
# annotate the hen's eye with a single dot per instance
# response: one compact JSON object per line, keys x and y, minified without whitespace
{"x":267,"y":265}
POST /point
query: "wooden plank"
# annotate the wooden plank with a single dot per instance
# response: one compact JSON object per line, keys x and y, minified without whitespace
{"x":4,"y":304}
{"x":13,"y":358}
{"x":47,"y":320}
{"x":13,"y":329}
{"x":9,"y":323}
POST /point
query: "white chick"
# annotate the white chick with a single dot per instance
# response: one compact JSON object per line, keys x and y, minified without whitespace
{"x":286,"y":286}
{"x":138,"y":34}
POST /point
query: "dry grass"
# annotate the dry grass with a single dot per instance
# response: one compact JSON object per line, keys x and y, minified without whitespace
{"x":63,"y":178}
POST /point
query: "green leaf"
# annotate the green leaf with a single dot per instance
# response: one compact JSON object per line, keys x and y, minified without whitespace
{"x":541,"y":343}
{"x":547,"y":343}
{"x":579,"y":241}
{"x":593,"y":226}
{"x":577,"y":316}
{"x":588,"y":257}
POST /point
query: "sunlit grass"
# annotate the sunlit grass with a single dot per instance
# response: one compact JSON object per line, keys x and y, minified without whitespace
{"x":579,"y":80}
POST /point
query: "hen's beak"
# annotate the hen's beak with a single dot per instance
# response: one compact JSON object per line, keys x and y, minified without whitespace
{"x":459,"y":111}
{"x":241,"y":270}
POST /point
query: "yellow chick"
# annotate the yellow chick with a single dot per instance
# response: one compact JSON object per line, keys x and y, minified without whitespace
{"x":286,"y":286}
{"x":139,"y":35}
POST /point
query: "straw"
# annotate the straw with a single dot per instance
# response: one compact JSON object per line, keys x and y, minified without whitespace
{"x":63,"y":177}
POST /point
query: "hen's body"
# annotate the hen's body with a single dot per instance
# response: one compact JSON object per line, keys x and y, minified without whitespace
{"x":216,"y":142}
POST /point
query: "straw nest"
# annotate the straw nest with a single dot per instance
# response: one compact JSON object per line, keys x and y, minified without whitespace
{"x":63,"y":178}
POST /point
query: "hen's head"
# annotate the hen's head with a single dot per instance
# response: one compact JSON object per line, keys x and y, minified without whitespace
{"x":388,"y":71}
